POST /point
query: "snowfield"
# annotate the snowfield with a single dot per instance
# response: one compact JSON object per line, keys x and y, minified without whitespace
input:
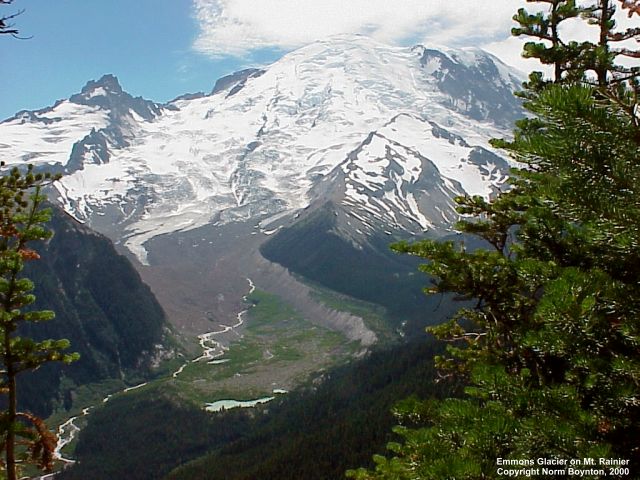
{"x":375,"y":112}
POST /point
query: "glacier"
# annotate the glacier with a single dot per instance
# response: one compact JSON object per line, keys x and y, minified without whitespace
{"x":257,"y":147}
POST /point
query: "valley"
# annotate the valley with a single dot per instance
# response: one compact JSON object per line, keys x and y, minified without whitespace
{"x":200,"y":278}
{"x":270,"y":350}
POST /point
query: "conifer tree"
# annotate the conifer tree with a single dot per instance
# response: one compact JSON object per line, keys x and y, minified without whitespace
{"x":549,"y":48}
{"x":23,"y":436}
{"x":551,"y":351}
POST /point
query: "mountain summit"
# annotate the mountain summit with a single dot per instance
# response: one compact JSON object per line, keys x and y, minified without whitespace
{"x":263,"y":141}
{"x":107,"y":84}
{"x":381,"y":137}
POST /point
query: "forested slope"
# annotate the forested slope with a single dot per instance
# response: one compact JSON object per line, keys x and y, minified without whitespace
{"x":317,"y":432}
{"x":102,"y":306}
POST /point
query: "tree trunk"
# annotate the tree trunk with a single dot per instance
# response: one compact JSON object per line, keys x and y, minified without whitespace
{"x":604,"y":42}
{"x":11,"y":411}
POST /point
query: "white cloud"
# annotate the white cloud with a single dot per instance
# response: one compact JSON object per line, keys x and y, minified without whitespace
{"x":240,"y":27}
{"x":236,"y":27}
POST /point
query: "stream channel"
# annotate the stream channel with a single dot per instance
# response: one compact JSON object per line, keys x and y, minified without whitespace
{"x":212,"y":350}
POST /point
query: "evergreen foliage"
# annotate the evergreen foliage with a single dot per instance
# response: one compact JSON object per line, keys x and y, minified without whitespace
{"x":551,"y":353}
{"x":23,"y":436}
{"x":141,"y":437}
{"x":314,"y":433}
{"x":572,"y":61}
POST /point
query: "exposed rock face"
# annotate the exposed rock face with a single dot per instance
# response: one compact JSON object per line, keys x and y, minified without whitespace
{"x":232,"y":84}
{"x":474,"y":84}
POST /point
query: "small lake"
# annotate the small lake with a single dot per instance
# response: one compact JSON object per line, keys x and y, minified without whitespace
{"x":227,"y":404}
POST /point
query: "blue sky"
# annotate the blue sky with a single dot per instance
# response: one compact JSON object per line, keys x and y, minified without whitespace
{"x":147,"y":44}
{"x":160,"y":49}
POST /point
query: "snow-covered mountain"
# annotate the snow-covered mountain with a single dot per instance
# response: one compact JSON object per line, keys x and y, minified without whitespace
{"x":310,"y":166}
{"x":390,"y":133}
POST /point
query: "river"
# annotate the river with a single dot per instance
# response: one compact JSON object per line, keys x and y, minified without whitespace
{"x":212,"y":350}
